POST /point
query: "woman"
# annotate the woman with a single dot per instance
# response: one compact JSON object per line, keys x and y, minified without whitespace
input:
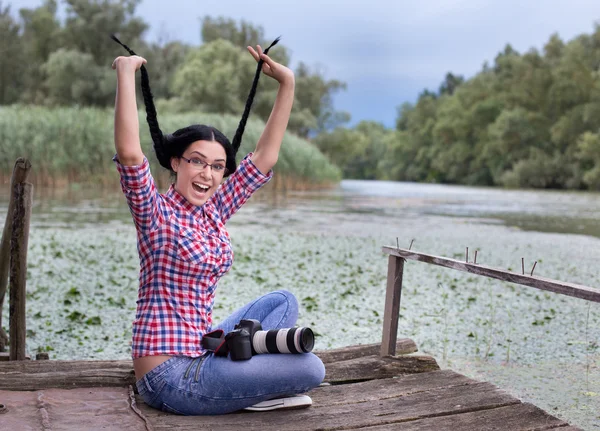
{"x":185,"y":249}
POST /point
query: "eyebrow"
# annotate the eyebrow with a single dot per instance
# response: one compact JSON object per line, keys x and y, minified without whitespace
{"x":202,"y":155}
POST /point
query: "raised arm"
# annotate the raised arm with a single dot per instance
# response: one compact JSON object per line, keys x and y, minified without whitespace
{"x":267,"y":148}
{"x":127,"y":128}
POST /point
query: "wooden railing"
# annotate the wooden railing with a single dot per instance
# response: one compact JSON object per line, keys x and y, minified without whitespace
{"x":397,"y":257}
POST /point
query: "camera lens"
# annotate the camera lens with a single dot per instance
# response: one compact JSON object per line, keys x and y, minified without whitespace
{"x":285,"y":340}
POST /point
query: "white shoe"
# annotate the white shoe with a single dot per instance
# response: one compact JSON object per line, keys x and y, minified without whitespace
{"x":289,"y":403}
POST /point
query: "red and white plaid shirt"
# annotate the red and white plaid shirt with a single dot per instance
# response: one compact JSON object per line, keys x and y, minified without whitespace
{"x":184,"y":250}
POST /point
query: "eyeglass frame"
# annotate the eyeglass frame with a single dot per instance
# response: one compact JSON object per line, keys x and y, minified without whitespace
{"x":202,"y":165}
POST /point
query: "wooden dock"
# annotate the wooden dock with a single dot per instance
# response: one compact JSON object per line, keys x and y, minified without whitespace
{"x":362,"y":391}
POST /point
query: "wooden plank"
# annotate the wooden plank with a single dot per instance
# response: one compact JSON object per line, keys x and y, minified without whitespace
{"x":556,"y":286}
{"x":70,"y":410}
{"x":34,"y":375}
{"x":391,"y":309}
{"x":425,"y":404}
{"x":372,"y":390}
{"x":518,"y":417}
{"x":19,"y":175}
{"x":18,"y":270}
{"x":376,"y":367}
{"x":569,"y":428}
{"x":404,"y":346}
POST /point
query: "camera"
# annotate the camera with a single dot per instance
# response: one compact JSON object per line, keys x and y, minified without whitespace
{"x":249,"y":339}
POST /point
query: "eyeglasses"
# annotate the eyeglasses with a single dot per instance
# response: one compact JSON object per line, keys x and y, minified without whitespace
{"x":200,"y":164}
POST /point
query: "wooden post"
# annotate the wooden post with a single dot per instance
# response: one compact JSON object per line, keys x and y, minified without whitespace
{"x":392,"y":305}
{"x":19,"y":175}
{"x":18,"y":269}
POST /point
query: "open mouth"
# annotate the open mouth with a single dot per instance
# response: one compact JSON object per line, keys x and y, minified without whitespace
{"x":200,"y":188}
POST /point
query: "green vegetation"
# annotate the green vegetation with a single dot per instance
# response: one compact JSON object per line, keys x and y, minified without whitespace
{"x":77,"y":144}
{"x":529,"y":120}
{"x":49,"y":62}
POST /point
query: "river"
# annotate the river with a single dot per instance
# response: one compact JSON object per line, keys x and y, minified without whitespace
{"x":325,"y":246}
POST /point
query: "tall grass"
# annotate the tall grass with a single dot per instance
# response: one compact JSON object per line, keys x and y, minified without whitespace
{"x":75,"y":145}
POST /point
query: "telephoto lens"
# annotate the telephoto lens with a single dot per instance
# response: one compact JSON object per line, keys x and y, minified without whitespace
{"x":285,"y":340}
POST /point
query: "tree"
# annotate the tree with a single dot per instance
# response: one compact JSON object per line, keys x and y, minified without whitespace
{"x":314,"y":96}
{"x":89,"y":24}
{"x":313,"y":109}
{"x":215,"y":77}
{"x":41,"y":36}
{"x":241,"y":35}
{"x":70,"y":78}
{"x":588,"y":152}
{"x":12,"y":64}
{"x":450,"y":84}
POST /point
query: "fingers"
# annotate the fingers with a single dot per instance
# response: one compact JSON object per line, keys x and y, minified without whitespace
{"x":254,"y":53}
{"x":135,"y":60}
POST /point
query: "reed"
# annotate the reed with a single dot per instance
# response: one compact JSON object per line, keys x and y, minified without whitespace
{"x":75,"y":145}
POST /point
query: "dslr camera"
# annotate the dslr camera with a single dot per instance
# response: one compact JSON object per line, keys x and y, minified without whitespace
{"x":248,"y":339}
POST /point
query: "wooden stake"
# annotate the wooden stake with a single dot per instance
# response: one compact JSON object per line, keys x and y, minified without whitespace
{"x":392,"y":305}
{"x":18,"y":269}
{"x":19,"y":175}
{"x":532,"y":269}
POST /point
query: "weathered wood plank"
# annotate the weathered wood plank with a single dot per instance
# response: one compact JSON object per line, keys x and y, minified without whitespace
{"x":372,"y":390}
{"x":404,"y":346}
{"x":569,"y":428}
{"x":34,"y":375}
{"x":391,"y":312}
{"x":427,"y":404}
{"x":519,"y":417}
{"x":376,"y":367}
{"x":70,"y":410}
{"x":19,"y":175}
{"x":18,"y":269}
{"x":556,"y":286}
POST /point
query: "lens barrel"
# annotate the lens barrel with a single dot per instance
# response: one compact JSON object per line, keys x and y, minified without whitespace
{"x":285,"y":340}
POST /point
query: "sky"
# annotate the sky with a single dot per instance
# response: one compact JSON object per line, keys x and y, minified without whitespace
{"x":386,"y":51}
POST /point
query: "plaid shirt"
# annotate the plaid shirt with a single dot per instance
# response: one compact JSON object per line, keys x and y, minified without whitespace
{"x":184,"y":250}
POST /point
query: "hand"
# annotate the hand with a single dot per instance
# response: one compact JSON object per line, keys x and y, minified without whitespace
{"x":271,"y":68}
{"x":133,"y":62}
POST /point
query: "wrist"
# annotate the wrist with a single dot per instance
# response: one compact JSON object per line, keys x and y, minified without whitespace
{"x":125,"y":68}
{"x":287,"y":83}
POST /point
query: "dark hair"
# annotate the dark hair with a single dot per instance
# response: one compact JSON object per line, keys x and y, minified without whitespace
{"x":175,"y":144}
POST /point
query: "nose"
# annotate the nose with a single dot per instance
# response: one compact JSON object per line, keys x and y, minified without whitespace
{"x":206,"y":171}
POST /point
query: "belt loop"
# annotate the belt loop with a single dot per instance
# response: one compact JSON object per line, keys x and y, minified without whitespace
{"x":147,"y":383}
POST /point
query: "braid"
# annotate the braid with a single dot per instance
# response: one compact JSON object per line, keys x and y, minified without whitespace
{"x":237,"y":139}
{"x":155,"y":132}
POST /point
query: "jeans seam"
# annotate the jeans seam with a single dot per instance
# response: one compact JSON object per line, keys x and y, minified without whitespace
{"x":195,"y":395}
{"x":287,"y":307}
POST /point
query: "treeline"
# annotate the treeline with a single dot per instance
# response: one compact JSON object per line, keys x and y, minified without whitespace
{"x":51,"y":62}
{"x":528,"y":120}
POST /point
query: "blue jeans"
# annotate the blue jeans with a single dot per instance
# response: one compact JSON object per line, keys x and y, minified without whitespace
{"x":212,"y":385}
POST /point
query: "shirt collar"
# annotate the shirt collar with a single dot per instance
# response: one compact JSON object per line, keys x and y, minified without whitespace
{"x":181,"y":201}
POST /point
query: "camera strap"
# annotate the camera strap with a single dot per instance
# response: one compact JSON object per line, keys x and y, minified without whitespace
{"x":215,"y":342}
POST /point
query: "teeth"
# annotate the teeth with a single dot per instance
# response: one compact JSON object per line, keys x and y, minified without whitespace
{"x":201,"y":186}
